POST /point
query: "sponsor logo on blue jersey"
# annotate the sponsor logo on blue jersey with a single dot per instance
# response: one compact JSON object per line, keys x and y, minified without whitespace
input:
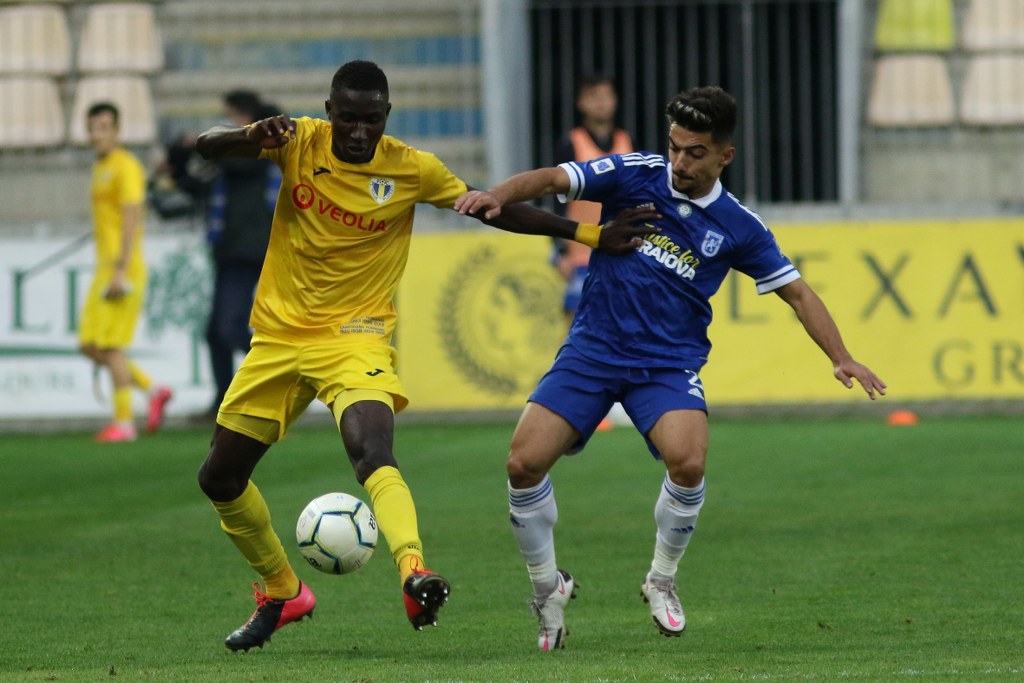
{"x":662,"y":249}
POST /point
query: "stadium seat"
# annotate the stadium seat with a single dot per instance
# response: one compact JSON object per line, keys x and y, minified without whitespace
{"x":34,"y":39}
{"x":31,"y":111}
{"x":911,"y":90}
{"x":119,"y":37}
{"x":133,"y":98}
{"x":907,"y":25}
{"x":994,"y":25}
{"x":993,"y":93}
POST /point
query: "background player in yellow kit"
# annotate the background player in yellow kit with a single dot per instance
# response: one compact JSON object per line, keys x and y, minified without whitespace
{"x":115,"y":297}
{"x":323,"y":320}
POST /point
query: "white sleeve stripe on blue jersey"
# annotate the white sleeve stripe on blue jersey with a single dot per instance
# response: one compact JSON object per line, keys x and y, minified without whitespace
{"x":752,"y":214}
{"x":652,"y":163}
{"x":783,"y":276}
{"x":637,"y":159}
{"x":576,"y":181}
{"x":641,"y":155}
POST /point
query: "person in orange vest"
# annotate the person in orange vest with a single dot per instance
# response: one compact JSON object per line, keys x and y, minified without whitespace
{"x":596,"y":136}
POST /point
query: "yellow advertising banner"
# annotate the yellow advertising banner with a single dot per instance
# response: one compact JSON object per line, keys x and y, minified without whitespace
{"x":480,"y":319}
{"x":935,"y":308}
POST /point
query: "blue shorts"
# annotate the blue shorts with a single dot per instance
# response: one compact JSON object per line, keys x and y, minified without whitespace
{"x":582,"y":391}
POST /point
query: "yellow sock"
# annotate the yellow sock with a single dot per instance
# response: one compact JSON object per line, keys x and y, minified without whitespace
{"x":396,"y":517}
{"x":139,"y":378}
{"x":123,"y":404}
{"x":247,"y":523}
{"x":283,"y":584}
{"x":408,"y":564}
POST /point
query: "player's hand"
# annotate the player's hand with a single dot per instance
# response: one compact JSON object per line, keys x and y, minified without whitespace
{"x":117,"y":289}
{"x":272,"y":132}
{"x":625,"y":233}
{"x":479,"y":200}
{"x":849,"y":370}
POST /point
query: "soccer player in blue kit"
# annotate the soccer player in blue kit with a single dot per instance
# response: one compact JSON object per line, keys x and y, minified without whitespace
{"x":640,"y":338}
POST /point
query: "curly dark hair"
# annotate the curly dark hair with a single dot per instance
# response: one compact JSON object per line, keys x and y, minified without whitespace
{"x":707,"y":109}
{"x":360,"y":75}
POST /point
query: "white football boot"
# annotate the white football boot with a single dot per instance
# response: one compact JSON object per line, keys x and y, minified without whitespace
{"x":551,"y":613}
{"x":665,"y":608}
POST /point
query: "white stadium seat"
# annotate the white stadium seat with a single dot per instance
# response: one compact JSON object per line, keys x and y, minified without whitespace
{"x":911,"y":90}
{"x":120,"y":36}
{"x":993,"y":93}
{"x":31,"y":113}
{"x":994,"y":25}
{"x":34,"y":39}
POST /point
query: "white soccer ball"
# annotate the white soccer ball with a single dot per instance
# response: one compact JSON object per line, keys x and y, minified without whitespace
{"x":336,"y":533}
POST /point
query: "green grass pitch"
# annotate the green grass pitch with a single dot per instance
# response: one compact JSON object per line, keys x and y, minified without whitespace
{"x":828,"y":549}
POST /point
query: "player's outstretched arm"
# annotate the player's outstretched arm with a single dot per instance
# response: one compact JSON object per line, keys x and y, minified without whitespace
{"x":620,"y":235}
{"x":502,"y":207}
{"x":815,"y":318}
{"x":246,"y":141}
{"x":519,"y":188}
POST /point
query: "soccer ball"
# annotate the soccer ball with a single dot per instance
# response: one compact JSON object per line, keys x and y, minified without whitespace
{"x":336,"y":533}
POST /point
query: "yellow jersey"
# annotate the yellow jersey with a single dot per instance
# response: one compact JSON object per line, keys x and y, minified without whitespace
{"x":340,"y":237}
{"x":118,"y":179}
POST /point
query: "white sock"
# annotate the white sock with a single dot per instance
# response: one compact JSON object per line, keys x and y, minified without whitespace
{"x":676,"y":515}
{"x":533,"y":514}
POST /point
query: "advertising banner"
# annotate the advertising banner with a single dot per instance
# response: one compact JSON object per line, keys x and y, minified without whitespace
{"x":935,"y":308}
{"x":42,"y":375}
{"x":480,"y":319}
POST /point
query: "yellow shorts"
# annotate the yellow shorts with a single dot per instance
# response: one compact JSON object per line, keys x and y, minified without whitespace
{"x":278,"y":380}
{"x":109,"y":324}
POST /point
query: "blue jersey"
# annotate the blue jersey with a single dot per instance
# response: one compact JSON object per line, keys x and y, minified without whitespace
{"x":651,"y":308}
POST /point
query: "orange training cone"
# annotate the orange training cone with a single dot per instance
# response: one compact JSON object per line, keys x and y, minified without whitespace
{"x":902,"y":418}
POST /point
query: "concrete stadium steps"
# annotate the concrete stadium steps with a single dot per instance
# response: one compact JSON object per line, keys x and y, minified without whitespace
{"x":242,"y":20}
{"x":307,"y":33}
{"x":305,"y":89}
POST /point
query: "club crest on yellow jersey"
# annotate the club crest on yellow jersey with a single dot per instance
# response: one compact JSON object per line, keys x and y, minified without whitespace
{"x":382,"y":189}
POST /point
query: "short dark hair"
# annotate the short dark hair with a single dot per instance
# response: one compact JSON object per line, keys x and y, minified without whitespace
{"x":360,"y":75}
{"x":706,"y":109}
{"x":244,"y":102}
{"x":593,"y":80}
{"x":266,"y":110}
{"x":103,"y":108}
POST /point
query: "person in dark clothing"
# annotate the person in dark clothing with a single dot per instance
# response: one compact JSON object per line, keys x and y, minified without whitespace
{"x":241,"y":209}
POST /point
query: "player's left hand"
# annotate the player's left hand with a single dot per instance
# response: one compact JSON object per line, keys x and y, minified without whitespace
{"x":472,"y":202}
{"x":272,"y":132}
{"x":625,"y":233}
{"x":849,"y":370}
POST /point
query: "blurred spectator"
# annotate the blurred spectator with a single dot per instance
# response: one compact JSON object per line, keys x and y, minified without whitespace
{"x":181,"y":184}
{"x":240,"y":209}
{"x":595,"y":136}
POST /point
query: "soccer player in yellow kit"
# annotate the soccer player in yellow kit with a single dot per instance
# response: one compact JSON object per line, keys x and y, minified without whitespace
{"x":115,"y":297}
{"x":323,"y":320}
